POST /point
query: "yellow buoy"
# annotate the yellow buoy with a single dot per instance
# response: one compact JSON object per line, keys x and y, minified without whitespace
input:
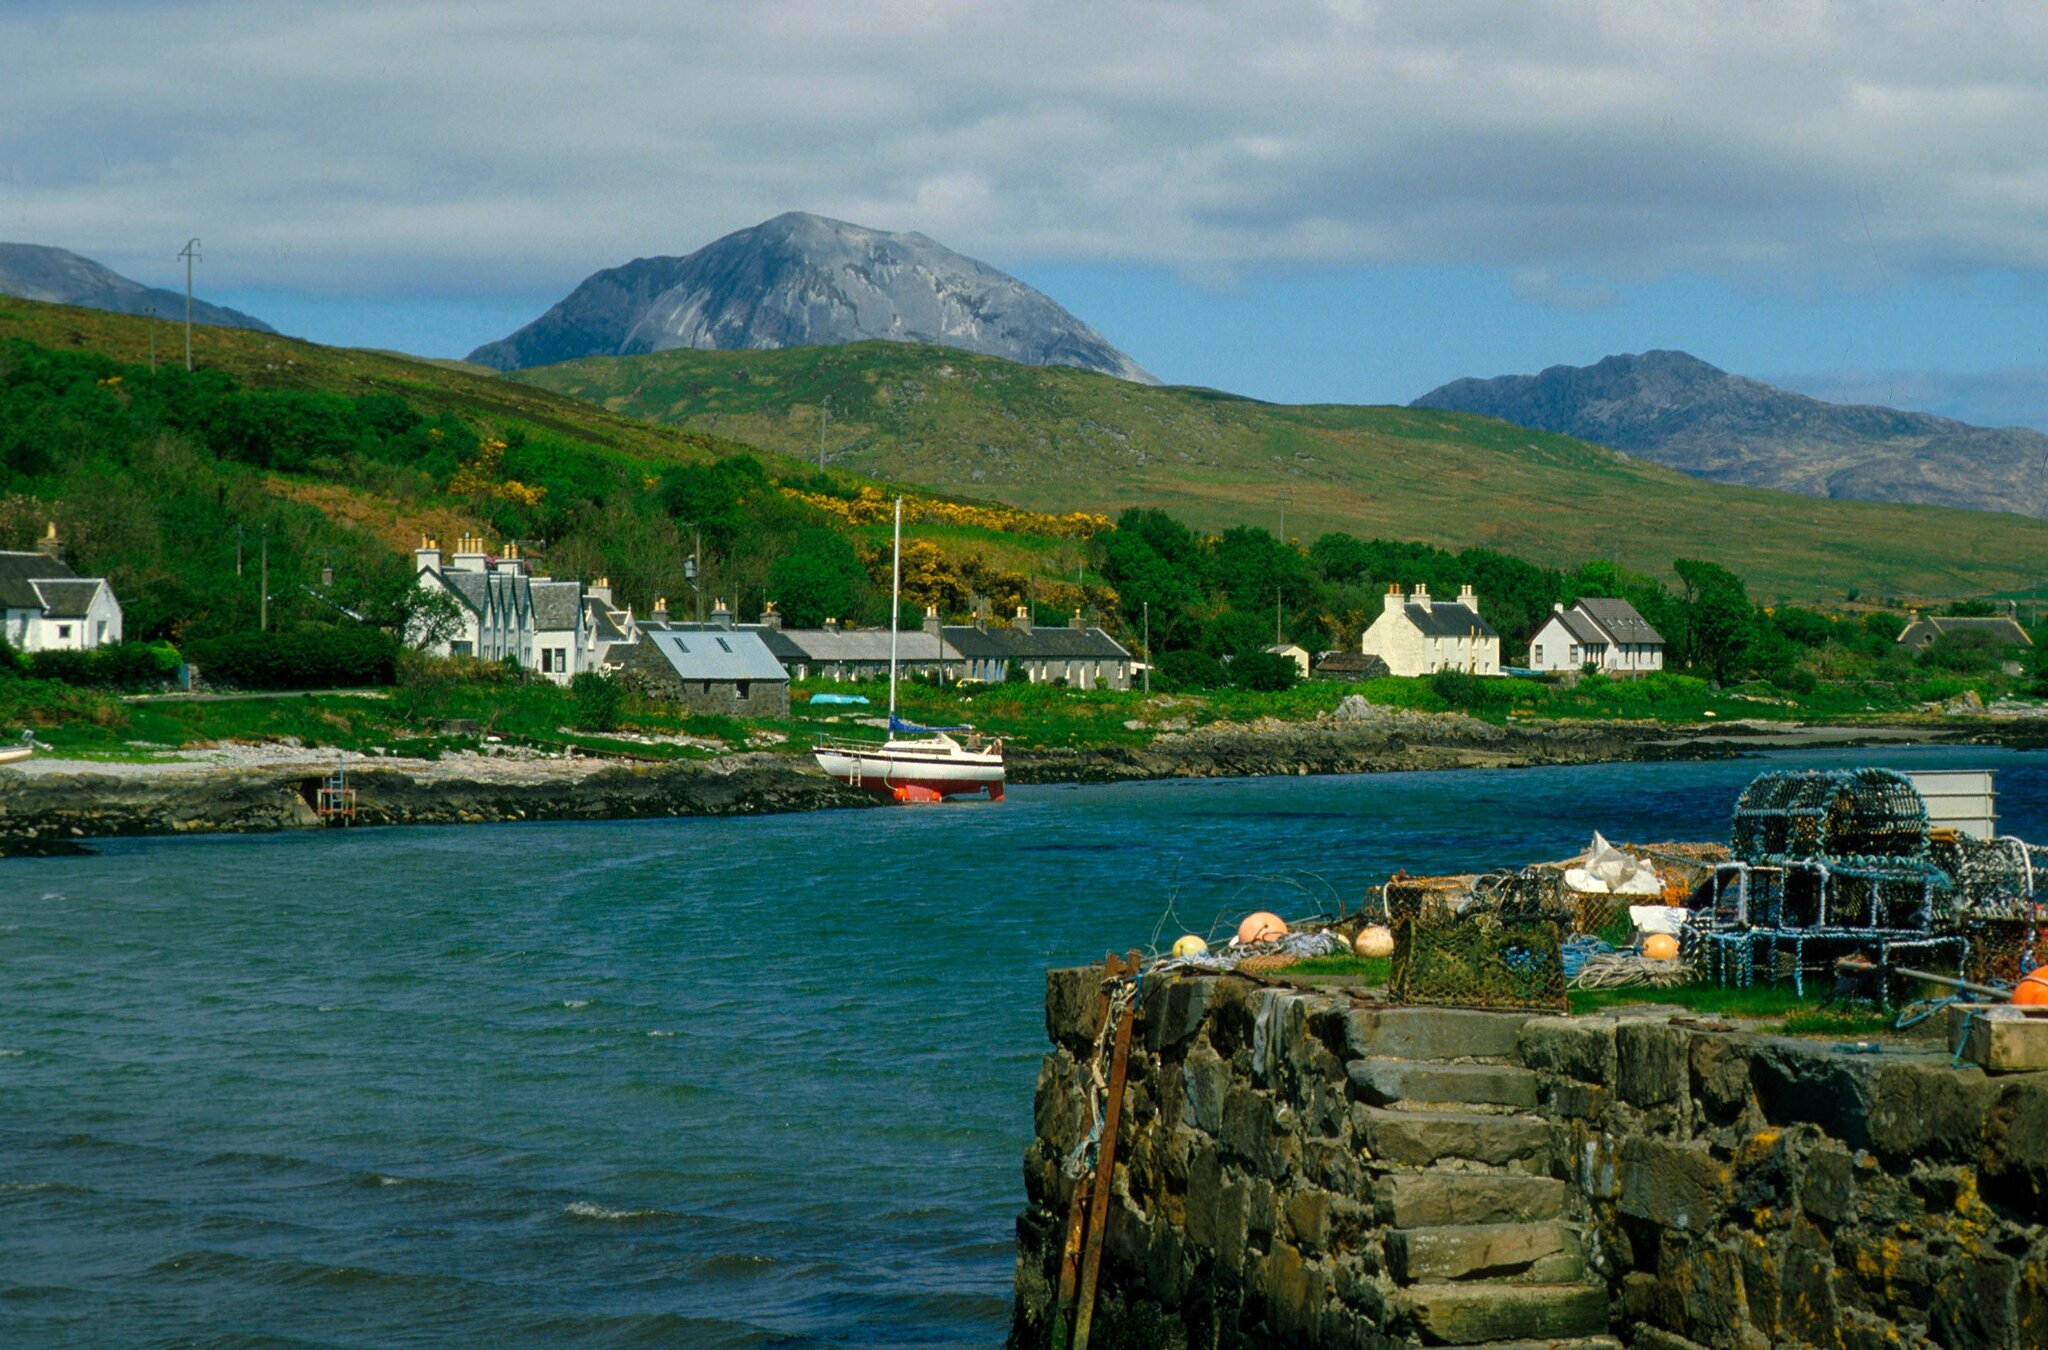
{"x":1374,"y":940}
{"x":1189,"y":945}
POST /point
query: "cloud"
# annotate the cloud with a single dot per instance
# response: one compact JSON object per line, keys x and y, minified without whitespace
{"x":1541,"y":286}
{"x":435,"y":147}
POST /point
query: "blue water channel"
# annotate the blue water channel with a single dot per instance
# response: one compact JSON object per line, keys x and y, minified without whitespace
{"x":693,"y":1083}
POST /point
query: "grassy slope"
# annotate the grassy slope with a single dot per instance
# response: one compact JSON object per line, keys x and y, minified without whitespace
{"x":1060,"y":439}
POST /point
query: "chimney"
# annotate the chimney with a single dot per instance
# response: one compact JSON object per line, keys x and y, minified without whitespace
{"x":1557,"y":607}
{"x":770,"y":619}
{"x":48,"y":545}
{"x":931,"y":620}
{"x":601,"y":591}
{"x":1421,"y":597}
{"x":1077,"y":623}
{"x":831,"y":625}
{"x":1467,"y":599}
{"x":470,"y":555}
{"x":721,"y":613}
{"x":1022,"y":623}
{"x":427,"y":557}
{"x":660,"y":614}
{"x":509,"y":561}
{"x":1393,"y":600}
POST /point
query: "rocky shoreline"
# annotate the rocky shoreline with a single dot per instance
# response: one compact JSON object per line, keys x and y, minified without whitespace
{"x":55,"y":807}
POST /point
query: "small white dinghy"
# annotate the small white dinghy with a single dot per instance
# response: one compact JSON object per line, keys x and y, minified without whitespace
{"x":14,"y":754}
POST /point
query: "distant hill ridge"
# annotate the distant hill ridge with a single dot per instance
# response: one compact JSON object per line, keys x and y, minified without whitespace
{"x":1676,"y":409}
{"x":801,"y":280}
{"x":58,"y":276}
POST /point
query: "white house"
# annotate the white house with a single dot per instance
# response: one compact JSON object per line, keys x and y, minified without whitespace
{"x":542,"y":624}
{"x":1607,"y":635}
{"x":1298,"y":655}
{"x":45,"y":606}
{"x":1418,"y":635}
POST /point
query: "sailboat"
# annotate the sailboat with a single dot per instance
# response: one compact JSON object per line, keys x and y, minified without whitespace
{"x":915,"y":763}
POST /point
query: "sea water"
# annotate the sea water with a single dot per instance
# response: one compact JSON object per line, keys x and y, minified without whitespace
{"x":692,"y":1083}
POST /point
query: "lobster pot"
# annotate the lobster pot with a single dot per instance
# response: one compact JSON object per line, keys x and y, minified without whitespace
{"x":1998,"y":949}
{"x":1835,"y":813}
{"x":1480,"y":959}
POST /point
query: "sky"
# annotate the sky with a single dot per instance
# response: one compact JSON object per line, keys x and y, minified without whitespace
{"x":1331,"y":202}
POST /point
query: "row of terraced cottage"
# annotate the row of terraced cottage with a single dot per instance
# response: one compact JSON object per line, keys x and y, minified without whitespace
{"x":561,"y":628}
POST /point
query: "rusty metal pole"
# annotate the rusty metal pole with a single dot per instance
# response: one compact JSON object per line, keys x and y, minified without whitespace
{"x":1105,"y":1175}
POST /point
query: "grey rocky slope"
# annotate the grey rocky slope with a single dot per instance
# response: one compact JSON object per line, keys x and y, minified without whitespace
{"x":804,"y":281}
{"x":1676,"y":409}
{"x":60,"y":277}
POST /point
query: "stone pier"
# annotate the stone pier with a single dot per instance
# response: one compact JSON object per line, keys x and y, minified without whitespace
{"x":1304,"y":1169}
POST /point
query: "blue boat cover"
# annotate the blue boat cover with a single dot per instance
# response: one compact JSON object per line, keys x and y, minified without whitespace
{"x":898,"y":724}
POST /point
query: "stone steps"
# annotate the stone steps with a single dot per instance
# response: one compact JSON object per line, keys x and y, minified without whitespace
{"x":1481,"y":1313}
{"x":1421,"y":1139}
{"x":1444,"y":1199}
{"x":1443,"y":1034}
{"x":1549,"y":1343}
{"x":1428,"y":1084}
{"x":1525,"y":1253}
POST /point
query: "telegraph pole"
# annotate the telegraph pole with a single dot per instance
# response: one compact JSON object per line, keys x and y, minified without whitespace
{"x":190,"y":253}
{"x":698,"y":558}
{"x":1148,"y":649}
{"x":1283,"y":496}
{"x":263,"y":604}
{"x":151,"y":311}
{"x":824,"y":417}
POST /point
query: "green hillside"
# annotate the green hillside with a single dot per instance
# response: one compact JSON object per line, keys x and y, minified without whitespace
{"x":1057,"y":439}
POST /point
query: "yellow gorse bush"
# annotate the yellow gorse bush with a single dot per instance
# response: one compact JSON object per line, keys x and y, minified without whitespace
{"x":873,"y":506}
{"x":482,"y":477}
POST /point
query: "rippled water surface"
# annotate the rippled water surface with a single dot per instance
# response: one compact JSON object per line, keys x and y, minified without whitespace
{"x":703,"y":1083}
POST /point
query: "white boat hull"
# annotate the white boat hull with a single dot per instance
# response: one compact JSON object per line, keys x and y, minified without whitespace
{"x":917,"y":770}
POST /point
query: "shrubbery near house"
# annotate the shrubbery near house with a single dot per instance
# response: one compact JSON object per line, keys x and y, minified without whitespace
{"x":309,"y":658}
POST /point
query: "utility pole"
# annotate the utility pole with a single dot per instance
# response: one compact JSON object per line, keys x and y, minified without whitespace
{"x":824,"y":417}
{"x":1148,"y":649}
{"x":238,"y":548}
{"x":151,"y":311}
{"x":697,"y":559}
{"x":1283,"y":496}
{"x":1276,"y":617}
{"x":190,"y":253}
{"x":263,"y":607}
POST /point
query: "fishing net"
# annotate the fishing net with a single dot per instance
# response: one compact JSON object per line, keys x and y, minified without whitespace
{"x":2000,"y":951}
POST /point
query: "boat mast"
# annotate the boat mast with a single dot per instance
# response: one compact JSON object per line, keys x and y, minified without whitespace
{"x":895,"y":610}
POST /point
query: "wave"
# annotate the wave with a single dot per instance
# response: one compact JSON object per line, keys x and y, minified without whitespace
{"x":585,"y":1209}
{"x":575,"y":1003}
{"x":6,"y":1053}
{"x":39,"y":1187}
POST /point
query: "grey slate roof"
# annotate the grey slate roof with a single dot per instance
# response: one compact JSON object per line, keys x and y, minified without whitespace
{"x":1619,"y":618}
{"x":471,"y":588}
{"x":1928,"y":627}
{"x":554,"y":604}
{"x":17,"y":570}
{"x":730,"y":654}
{"x":67,"y":599}
{"x":1041,"y":644}
{"x":865,"y":645}
{"x":1448,"y":619}
{"x":1581,"y":627}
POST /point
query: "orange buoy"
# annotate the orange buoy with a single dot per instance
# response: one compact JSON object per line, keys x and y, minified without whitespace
{"x":1374,"y":940}
{"x":1261,"y":927}
{"x":2033,"y":990}
{"x":1660,"y":947}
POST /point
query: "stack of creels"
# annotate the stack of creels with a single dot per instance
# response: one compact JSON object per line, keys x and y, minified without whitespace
{"x":1863,"y":814}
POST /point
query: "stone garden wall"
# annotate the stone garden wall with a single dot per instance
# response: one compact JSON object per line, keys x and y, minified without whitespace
{"x":1302,"y":1169}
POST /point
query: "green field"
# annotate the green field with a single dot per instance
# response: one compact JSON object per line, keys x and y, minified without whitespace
{"x":1059,"y":439}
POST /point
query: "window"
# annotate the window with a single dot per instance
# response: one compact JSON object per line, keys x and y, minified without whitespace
{"x":561,"y":660}
{"x":724,"y":646}
{"x":547,"y":661}
{"x":739,"y":689}
{"x":1539,"y":653}
{"x":63,"y":631}
{"x":99,"y":630}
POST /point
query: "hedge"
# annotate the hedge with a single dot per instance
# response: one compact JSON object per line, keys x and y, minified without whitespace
{"x":311,"y":658}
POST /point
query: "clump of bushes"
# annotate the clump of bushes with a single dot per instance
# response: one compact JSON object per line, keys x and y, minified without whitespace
{"x":122,"y":667}
{"x":310,"y":658}
{"x":1462,"y":689}
{"x":1185,"y":669}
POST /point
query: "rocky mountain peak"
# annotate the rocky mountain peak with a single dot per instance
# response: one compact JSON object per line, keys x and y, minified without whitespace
{"x":807,"y":280}
{"x":60,"y":277}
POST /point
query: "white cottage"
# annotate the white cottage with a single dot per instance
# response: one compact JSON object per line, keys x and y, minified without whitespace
{"x":1606,"y":634}
{"x":508,"y":613}
{"x":45,"y":606}
{"x":1419,"y":635}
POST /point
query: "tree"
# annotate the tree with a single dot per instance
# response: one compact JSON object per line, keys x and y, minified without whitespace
{"x":821,"y":579}
{"x":1719,"y":623}
{"x":1264,"y":672}
{"x":1184,"y":669}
